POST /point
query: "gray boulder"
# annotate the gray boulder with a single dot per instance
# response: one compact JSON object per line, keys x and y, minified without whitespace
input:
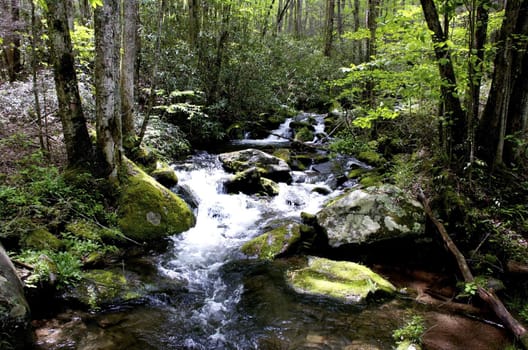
{"x":369,"y":215}
{"x":15,"y":328}
{"x":267,"y":165}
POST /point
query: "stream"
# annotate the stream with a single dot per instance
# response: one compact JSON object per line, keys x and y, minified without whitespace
{"x":214,"y":297}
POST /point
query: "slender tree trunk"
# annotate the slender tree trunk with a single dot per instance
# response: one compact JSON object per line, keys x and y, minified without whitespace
{"x":76,"y":138}
{"x":516,"y":124}
{"x":454,"y":115}
{"x":194,"y":22}
{"x":358,"y":52}
{"x":107,"y":88}
{"x":372,"y":25}
{"x":34,"y":67}
{"x":128,"y":69}
{"x":11,"y":45}
{"x":266,"y":20}
{"x":329,"y":28}
{"x":507,"y":77}
{"x":298,"y":18}
{"x":478,"y":26}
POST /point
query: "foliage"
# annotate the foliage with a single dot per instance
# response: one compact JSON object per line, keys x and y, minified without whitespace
{"x":412,"y":331}
{"x":83,"y":46}
{"x":60,"y":268}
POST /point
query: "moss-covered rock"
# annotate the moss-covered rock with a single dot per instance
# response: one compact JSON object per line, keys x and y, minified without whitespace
{"x":15,"y":329}
{"x":99,"y":288}
{"x":304,"y":135}
{"x":268,"y":166}
{"x":149,"y":211}
{"x":372,"y":158}
{"x":40,"y":239}
{"x":165,"y":175}
{"x":273,"y":243}
{"x":369,"y":215}
{"x":342,"y":280}
{"x":250,"y":182}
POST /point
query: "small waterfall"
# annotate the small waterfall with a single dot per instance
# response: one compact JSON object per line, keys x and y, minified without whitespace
{"x":279,"y":136}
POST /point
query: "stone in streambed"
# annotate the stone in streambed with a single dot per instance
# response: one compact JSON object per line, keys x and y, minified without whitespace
{"x":345,"y":281}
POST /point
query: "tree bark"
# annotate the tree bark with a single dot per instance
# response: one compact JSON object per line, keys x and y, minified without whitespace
{"x":107,"y":88}
{"x":455,"y":125}
{"x":76,"y":138}
{"x":329,"y":27}
{"x":10,"y":26}
{"x":503,"y":97}
{"x":128,"y":70}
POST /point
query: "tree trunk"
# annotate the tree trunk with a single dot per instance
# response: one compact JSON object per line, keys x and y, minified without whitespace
{"x":516,"y":125}
{"x":456,"y":128}
{"x":478,"y":26}
{"x":329,"y":27}
{"x":194,"y":22}
{"x":76,"y":138}
{"x":504,"y":101}
{"x":11,"y":45}
{"x":372,"y":25}
{"x":107,"y":88}
{"x":128,"y":69}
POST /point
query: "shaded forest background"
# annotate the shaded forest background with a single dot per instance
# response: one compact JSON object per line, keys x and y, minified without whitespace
{"x":432,"y":93}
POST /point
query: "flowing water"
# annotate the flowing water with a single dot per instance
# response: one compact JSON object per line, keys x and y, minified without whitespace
{"x":214,"y":297}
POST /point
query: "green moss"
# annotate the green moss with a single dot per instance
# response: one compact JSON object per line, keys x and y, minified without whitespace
{"x":304,"y":135}
{"x":343,"y":280}
{"x":270,"y":187}
{"x":102,"y":287}
{"x":270,"y":244}
{"x":165,"y":175}
{"x":284,"y":154}
{"x":373,"y":180}
{"x":356,"y":173}
{"x":147,"y":210}
{"x":41,"y":239}
{"x":371,"y":157}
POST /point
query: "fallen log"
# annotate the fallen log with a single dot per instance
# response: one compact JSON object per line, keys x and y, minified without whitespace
{"x":487,"y":295}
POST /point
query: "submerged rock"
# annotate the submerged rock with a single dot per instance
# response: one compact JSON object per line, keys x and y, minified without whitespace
{"x":346,"y":281}
{"x":15,"y":330}
{"x":268,"y":166}
{"x":370,"y":215}
{"x":149,"y":211}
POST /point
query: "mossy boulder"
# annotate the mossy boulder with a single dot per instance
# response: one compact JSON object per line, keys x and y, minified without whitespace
{"x":267,"y":165}
{"x":100,"y":288}
{"x":304,"y":134}
{"x":345,"y":281}
{"x":370,"y":215}
{"x":149,"y":211}
{"x":15,"y":329}
{"x":274,"y":243}
{"x":40,"y":239}
{"x":165,"y":175}
{"x":250,"y":182}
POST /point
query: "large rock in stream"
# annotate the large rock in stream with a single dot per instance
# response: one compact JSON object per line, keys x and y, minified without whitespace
{"x":15,"y":330}
{"x":342,"y":280}
{"x":268,"y":166}
{"x":149,"y":211}
{"x":370,"y":215}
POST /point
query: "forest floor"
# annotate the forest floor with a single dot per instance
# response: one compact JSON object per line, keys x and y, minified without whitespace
{"x":19,"y":126}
